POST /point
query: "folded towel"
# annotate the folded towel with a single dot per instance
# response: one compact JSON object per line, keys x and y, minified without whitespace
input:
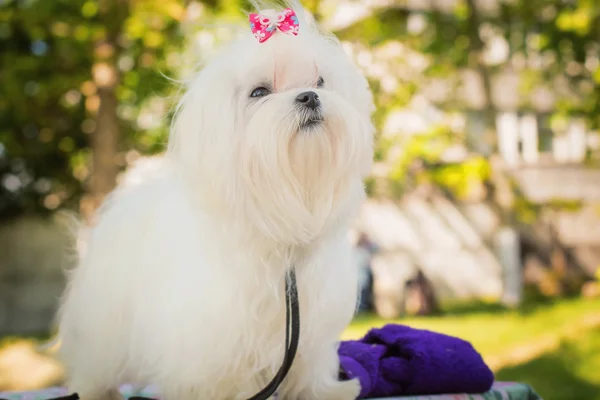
{"x":397,"y":360}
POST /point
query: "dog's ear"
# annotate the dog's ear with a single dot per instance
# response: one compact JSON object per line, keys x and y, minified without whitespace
{"x":205,"y":113}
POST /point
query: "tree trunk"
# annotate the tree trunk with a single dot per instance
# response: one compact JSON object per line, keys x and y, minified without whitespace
{"x":104,"y":144}
{"x":105,"y":140}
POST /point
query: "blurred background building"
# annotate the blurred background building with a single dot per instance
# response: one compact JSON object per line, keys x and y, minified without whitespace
{"x":484,"y":198}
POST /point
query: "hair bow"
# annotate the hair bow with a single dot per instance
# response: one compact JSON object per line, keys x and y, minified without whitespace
{"x":263,"y":26}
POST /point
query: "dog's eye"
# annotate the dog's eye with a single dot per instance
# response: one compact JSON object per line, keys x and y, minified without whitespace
{"x":260,"y":92}
{"x":320,"y":82}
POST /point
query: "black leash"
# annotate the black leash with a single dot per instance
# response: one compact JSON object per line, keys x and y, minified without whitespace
{"x":292,"y":321}
{"x":292,"y":337}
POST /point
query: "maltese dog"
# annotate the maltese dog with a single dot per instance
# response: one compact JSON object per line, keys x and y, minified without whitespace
{"x":182,"y":282}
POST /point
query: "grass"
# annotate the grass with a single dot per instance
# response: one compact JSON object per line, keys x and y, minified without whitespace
{"x":570,"y":372}
{"x":554,"y":347}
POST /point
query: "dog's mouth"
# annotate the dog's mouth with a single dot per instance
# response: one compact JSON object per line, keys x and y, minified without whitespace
{"x":311,"y":121}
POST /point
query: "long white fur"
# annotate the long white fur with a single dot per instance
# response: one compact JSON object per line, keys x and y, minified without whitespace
{"x":181,"y":285}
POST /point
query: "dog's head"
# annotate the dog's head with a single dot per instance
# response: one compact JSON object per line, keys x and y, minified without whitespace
{"x":278,"y":132}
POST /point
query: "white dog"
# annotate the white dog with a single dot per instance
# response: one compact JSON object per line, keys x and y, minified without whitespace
{"x":182,"y":283}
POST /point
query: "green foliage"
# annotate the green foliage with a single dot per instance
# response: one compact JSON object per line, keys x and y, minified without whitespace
{"x":426,"y":151}
{"x":48,"y":99}
{"x":528,"y":212}
{"x":462,"y":178}
{"x":40,"y":65}
{"x":551,"y":43}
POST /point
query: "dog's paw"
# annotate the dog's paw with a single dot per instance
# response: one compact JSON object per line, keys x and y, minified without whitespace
{"x":348,"y":390}
{"x":337,"y":390}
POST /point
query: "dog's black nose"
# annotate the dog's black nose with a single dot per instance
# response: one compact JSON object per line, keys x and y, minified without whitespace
{"x":308,"y":99}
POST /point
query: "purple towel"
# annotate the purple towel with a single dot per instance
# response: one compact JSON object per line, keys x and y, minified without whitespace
{"x":397,"y":360}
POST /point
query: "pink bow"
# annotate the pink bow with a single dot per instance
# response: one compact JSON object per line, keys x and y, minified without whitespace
{"x":263,"y":27}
